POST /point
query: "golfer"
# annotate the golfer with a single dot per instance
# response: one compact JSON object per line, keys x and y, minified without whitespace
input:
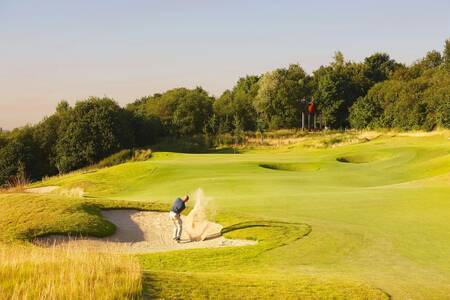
{"x":178,"y":206}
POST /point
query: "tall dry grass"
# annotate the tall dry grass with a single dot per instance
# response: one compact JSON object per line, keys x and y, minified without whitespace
{"x":67,"y":273}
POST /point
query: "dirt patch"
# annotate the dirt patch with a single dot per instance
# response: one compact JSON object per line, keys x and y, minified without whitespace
{"x":139,"y":232}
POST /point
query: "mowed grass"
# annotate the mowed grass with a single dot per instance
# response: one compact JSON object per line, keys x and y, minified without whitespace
{"x":376,"y":222}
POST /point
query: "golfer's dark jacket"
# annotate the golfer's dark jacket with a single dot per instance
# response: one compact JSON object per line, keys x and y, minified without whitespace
{"x":178,"y":206}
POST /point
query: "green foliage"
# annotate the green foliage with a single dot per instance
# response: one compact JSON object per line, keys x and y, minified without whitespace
{"x":238,"y":103}
{"x":181,"y":111}
{"x":278,"y":102}
{"x":18,"y":158}
{"x":418,"y":103}
{"x":378,"y":67}
{"x":363,"y":112}
{"x":446,"y":56}
{"x":92,"y":130}
{"x":238,"y":132}
{"x":63,"y":107}
{"x":3,"y":138}
{"x":45,"y":137}
{"x":187,"y":144}
{"x":339,"y":85}
{"x":147,"y":129}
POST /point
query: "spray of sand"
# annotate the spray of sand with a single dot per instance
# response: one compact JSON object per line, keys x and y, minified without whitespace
{"x":196,"y":223}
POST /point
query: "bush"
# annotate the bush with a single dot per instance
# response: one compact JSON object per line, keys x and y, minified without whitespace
{"x":123,"y":156}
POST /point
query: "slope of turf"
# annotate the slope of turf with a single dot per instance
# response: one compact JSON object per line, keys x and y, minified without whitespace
{"x":24,"y":216}
{"x":382,"y":223}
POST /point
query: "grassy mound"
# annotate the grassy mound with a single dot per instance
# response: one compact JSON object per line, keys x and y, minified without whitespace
{"x":26,"y":216}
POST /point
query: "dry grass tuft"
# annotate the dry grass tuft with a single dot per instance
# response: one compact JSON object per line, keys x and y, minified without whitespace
{"x":56,"y":273}
{"x":15,"y":184}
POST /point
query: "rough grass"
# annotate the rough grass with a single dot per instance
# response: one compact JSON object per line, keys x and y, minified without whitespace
{"x":33,"y":273}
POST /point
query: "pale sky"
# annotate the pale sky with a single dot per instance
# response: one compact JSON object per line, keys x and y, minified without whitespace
{"x":54,"y":50}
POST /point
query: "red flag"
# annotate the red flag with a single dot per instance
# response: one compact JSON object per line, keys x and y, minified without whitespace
{"x":311,"y":107}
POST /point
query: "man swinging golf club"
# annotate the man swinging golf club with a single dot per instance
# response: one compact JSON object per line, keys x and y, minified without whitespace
{"x":178,"y":206}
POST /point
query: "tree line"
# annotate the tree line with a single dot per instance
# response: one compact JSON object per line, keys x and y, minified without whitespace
{"x":375,"y":93}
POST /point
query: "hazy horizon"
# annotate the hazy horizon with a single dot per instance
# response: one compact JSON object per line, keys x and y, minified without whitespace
{"x":129,"y":49}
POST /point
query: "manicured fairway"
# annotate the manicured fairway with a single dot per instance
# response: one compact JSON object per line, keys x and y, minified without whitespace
{"x":355,"y":218}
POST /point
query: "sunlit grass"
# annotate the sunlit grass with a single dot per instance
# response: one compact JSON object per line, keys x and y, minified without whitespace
{"x":65,"y":273}
{"x":222,"y":285}
{"x":377,"y":221}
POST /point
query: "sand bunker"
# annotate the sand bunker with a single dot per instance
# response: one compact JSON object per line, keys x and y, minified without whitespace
{"x":142,"y":231}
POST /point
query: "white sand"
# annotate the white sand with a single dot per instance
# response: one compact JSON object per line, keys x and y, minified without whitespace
{"x":140,"y":231}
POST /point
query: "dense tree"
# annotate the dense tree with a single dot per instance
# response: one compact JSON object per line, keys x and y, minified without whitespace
{"x":3,"y":138}
{"x":92,"y":130}
{"x":446,"y":56}
{"x":418,"y":103}
{"x":238,"y":103}
{"x":45,"y":136}
{"x":62,"y":107}
{"x":363,"y":112}
{"x":278,"y":102}
{"x":18,"y":157}
{"x":181,"y":111}
{"x":378,"y":67}
{"x":336,"y":88}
